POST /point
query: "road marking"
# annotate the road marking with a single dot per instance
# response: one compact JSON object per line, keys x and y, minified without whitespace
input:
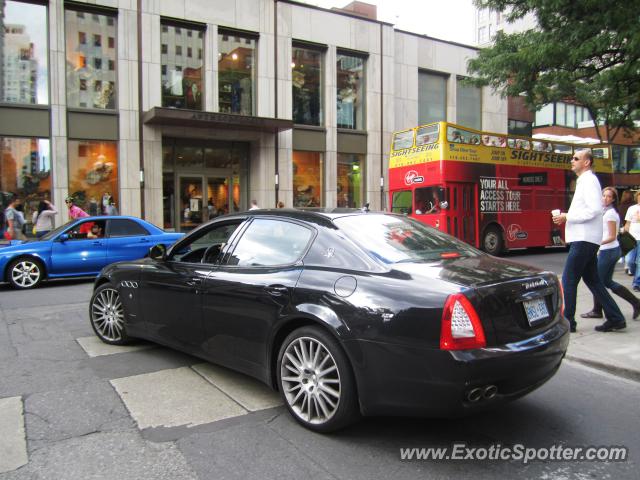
{"x":176,"y":397}
{"x":248,"y":392}
{"x":13,"y":445}
{"x":94,"y":347}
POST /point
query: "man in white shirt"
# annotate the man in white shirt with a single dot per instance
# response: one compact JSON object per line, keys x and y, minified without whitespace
{"x":254,"y":205}
{"x":583,"y":233}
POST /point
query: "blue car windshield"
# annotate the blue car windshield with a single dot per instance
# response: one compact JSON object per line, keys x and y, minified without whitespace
{"x":55,"y":231}
{"x":395,"y":239}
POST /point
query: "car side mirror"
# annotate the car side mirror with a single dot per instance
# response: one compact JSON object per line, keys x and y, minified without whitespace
{"x":158,"y":252}
{"x":444,"y":205}
{"x":64,"y":237}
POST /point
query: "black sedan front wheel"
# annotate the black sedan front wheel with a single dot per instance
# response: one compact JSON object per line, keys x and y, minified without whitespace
{"x":25,"y":273}
{"x":107,"y":315}
{"x":316,"y":381}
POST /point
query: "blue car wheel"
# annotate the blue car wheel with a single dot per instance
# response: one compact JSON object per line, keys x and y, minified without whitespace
{"x":25,"y":273}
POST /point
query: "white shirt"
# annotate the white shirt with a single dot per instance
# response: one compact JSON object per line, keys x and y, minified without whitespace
{"x":609,"y":215}
{"x":584,"y":218}
{"x":633,"y":216}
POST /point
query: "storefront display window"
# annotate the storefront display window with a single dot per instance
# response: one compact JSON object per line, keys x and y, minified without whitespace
{"x":306,"y":74}
{"x":236,"y":72}
{"x":350,"y":91}
{"x":25,"y":170}
{"x":181,"y":74}
{"x":23,"y":53}
{"x":350,"y":175}
{"x":93,"y":174}
{"x":91,"y":83}
{"x":307,"y":179}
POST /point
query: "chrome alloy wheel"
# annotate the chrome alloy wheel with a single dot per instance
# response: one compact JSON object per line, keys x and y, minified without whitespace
{"x":25,"y":273}
{"x":310,"y":380}
{"x":107,"y":315}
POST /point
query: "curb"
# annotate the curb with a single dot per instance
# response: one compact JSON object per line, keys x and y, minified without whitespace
{"x":623,"y":372}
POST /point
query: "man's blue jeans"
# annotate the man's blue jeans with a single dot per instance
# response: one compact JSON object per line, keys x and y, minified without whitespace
{"x":582,"y":262}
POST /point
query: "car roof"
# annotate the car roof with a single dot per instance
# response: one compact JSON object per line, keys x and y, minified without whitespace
{"x":320,"y":215}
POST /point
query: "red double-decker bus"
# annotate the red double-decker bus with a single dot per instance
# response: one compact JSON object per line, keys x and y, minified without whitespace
{"x":493,"y":191}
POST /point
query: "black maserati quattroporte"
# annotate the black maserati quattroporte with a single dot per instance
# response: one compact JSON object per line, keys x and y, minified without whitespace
{"x":344,"y":312}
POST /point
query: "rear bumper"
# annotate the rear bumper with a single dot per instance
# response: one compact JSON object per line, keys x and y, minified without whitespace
{"x":399,"y":380}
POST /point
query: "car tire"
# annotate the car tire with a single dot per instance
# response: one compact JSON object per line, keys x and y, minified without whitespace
{"x":107,"y":315}
{"x":24,"y":273}
{"x":316,"y":381}
{"x":492,"y":241}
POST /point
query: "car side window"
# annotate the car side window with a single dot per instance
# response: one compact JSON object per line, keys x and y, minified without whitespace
{"x":87,"y":230}
{"x":270,"y":242}
{"x":205,"y":246}
{"x":123,"y":227}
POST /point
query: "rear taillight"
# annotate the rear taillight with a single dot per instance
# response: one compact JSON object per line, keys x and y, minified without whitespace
{"x":561,"y":299}
{"x":461,"y":328}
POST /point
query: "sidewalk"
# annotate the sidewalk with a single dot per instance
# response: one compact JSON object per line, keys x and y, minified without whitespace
{"x":615,"y":352}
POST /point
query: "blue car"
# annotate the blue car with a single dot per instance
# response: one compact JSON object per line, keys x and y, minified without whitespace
{"x":79,"y":248}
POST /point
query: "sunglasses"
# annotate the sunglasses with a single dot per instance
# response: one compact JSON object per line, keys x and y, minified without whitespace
{"x":575,"y":159}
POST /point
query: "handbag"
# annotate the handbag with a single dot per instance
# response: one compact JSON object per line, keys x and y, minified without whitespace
{"x":627,"y":242}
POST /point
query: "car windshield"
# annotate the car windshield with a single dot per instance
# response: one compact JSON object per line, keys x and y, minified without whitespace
{"x":395,"y":239}
{"x":55,"y":231}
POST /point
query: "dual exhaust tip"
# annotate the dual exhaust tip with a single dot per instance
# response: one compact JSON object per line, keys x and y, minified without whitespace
{"x":482,"y":393}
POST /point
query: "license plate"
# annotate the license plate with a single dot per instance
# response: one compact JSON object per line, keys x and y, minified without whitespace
{"x":535,"y":310}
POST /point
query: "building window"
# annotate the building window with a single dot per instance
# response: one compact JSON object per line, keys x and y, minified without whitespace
{"x":519,"y":127}
{"x":25,"y":164}
{"x":432,"y":98}
{"x":350,"y":91}
{"x":82,"y":77}
{"x":112,"y":65}
{"x":469,"y":106}
{"x":544,"y":116}
{"x":112,"y":42}
{"x":93,"y":173}
{"x":236,"y":73}
{"x":189,"y":52}
{"x":350,"y":186}
{"x":181,"y":78}
{"x":23,"y":54}
{"x":482,"y":35}
{"x":164,"y":49}
{"x":307,"y":179}
{"x":306,"y":77}
{"x":82,"y":38}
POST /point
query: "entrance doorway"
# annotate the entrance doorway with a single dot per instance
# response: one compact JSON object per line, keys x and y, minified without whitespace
{"x":202,"y":180}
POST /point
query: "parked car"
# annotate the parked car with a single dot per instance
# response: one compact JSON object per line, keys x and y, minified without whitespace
{"x":344,"y":312}
{"x":73,"y":250}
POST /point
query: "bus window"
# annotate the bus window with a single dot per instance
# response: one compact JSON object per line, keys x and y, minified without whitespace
{"x":457,"y":135}
{"x":403,"y":140}
{"x":600,"y":152}
{"x":519,"y":143}
{"x":494,"y":141}
{"x":401,"y":202}
{"x":428,"y":134}
{"x":542,"y":147}
{"x":428,"y":199}
{"x":559,"y":148}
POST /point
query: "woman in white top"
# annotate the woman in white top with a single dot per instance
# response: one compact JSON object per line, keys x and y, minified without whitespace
{"x":609,"y":254}
{"x":43,"y":218}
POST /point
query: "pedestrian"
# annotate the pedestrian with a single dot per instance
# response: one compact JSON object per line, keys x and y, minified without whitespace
{"x":280,"y":204}
{"x":583,"y":233}
{"x":13,"y":220}
{"x":632,"y":225}
{"x":609,"y":254}
{"x":254,"y":205}
{"x":75,"y":211}
{"x":43,"y":218}
{"x":111,"y":208}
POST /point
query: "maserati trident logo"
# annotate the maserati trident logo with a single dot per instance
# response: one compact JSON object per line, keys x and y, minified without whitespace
{"x":535,"y":284}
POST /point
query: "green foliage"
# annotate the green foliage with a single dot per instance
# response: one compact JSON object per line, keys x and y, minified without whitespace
{"x":586,"y":50}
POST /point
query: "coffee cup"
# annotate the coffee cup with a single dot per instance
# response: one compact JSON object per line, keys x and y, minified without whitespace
{"x":555,"y":212}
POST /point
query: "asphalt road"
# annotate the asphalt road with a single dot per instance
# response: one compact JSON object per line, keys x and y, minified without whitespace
{"x":82,"y":420}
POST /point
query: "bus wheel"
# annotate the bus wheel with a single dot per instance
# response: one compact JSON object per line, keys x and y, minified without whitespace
{"x":492,"y":242}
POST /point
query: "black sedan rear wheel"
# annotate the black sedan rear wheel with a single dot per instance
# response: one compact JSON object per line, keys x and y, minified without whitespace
{"x":25,"y":273}
{"x":316,"y":381}
{"x":107,"y":315}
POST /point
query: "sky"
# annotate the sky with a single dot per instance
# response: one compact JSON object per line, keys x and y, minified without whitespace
{"x":445,"y":19}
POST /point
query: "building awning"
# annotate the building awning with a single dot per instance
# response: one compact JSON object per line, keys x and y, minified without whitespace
{"x":190,"y":118}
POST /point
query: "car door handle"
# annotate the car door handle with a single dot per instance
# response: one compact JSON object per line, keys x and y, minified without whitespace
{"x":144,"y":240}
{"x":194,"y":282}
{"x":97,"y":243}
{"x":276,"y":290}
